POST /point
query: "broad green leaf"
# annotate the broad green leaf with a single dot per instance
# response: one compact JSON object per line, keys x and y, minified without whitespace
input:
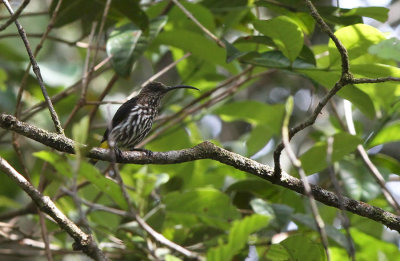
{"x":387,"y":49}
{"x":357,"y":180}
{"x":131,"y":9}
{"x":275,"y":59}
{"x":314,"y":159}
{"x":271,"y":59}
{"x":3,"y":78}
{"x":120,"y":46}
{"x":259,"y":137}
{"x":197,"y":44}
{"x":388,"y":162}
{"x":300,"y":247}
{"x":178,"y":20}
{"x":304,"y":20}
{"x":376,"y":12}
{"x":355,"y":95}
{"x":357,"y":39}
{"x":86,"y":170}
{"x":332,"y":232}
{"x":285,"y":33}
{"x":128,"y":42}
{"x":59,"y":162}
{"x":383,"y":94}
{"x":209,"y":206}
{"x":232,"y":52}
{"x":254,"y":112}
{"x":238,"y":237}
{"x":254,"y":186}
{"x":280,"y":214}
{"x":359,"y":98}
{"x":390,"y":133}
{"x":377,"y":249}
{"x":73,"y":10}
{"x":80,"y":130}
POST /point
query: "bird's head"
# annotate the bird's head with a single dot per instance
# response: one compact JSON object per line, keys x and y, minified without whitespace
{"x":157,"y":89}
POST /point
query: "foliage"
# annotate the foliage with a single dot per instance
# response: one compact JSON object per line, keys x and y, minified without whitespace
{"x":205,"y":206}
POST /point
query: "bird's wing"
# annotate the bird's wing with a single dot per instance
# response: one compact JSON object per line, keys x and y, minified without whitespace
{"x":119,"y":116}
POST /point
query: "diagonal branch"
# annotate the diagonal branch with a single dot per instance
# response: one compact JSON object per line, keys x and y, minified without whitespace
{"x":206,"y":150}
{"x":83,"y":241}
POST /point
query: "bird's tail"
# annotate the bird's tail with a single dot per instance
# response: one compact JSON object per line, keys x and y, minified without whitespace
{"x":103,"y":145}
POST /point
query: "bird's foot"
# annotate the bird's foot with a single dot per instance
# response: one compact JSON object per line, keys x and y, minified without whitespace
{"x":149,"y":153}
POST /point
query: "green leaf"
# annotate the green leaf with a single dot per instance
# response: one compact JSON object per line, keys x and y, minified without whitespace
{"x":131,"y":9}
{"x":259,"y":137}
{"x":300,"y":247}
{"x":120,"y":46}
{"x":285,"y":33}
{"x":390,"y":133}
{"x":387,"y":49}
{"x":332,"y":232}
{"x":57,"y":161}
{"x":355,"y":95}
{"x":388,"y":162}
{"x":383,"y":94}
{"x":273,"y":59}
{"x":358,"y":182}
{"x":281,"y":215}
{"x":376,"y":12}
{"x":359,"y":98}
{"x":3,"y":78}
{"x":357,"y":39}
{"x":304,"y":20}
{"x":231,"y":52}
{"x":197,"y":44}
{"x":80,"y":130}
{"x":127,"y":43}
{"x":86,"y":170}
{"x":238,"y":237}
{"x":254,"y":112}
{"x":210,"y":206}
{"x":377,"y":250}
{"x":314,"y":159}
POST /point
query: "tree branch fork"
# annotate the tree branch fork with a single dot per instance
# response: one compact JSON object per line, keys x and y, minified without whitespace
{"x":204,"y":150}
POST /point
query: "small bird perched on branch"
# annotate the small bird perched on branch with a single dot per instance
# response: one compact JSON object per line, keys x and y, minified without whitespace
{"x":134,"y":119}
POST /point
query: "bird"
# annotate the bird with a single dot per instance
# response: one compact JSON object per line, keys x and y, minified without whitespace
{"x":134,"y":118}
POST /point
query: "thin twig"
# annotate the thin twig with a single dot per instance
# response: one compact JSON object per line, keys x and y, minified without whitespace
{"x":85,"y":78}
{"x":202,"y":27}
{"x":45,"y":236}
{"x":15,"y":15}
{"x":36,"y":70}
{"x":307,"y":188}
{"x":365,"y":158}
{"x":343,"y":215}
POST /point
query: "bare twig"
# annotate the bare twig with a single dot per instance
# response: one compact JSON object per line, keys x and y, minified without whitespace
{"x":85,"y":78}
{"x":15,"y":15}
{"x":202,"y":27}
{"x":343,"y":216}
{"x":36,"y":70}
{"x":307,"y":188}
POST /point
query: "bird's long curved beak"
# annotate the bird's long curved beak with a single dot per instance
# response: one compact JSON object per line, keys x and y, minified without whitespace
{"x":181,"y":87}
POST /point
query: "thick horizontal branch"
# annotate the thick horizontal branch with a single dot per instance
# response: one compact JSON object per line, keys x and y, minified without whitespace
{"x":206,"y":150}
